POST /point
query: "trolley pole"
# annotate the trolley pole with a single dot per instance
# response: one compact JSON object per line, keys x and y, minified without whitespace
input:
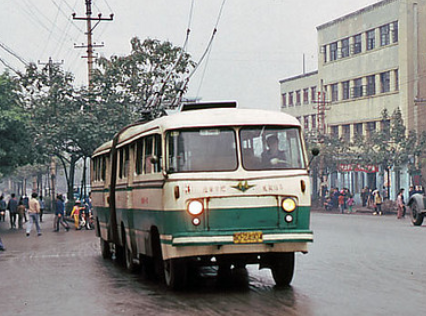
{"x":88,"y":18}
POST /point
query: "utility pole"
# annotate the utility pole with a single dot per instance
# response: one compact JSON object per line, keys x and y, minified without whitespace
{"x":88,"y":18}
{"x":52,"y":168}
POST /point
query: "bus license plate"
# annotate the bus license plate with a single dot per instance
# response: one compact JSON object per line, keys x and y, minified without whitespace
{"x":248,"y":237}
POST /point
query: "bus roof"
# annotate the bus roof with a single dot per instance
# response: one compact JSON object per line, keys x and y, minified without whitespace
{"x":201,"y":118}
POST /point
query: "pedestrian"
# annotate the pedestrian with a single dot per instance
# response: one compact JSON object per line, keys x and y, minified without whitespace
{"x":2,"y":247}
{"x":350,"y":203}
{"x":3,"y":208}
{"x":21,"y":213}
{"x":27,"y":205}
{"x":34,"y":215}
{"x":41,"y":208}
{"x":401,"y":204}
{"x":12,"y":206}
{"x":342,"y":202}
{"x":377,"y":203}
{"x":60,"y":214}
{"x":76,"y":213}
{"x":364,"y":196}
{"x":87,"y":214}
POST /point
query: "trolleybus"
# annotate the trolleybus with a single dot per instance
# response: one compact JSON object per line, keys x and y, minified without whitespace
{"x":204,"y":187}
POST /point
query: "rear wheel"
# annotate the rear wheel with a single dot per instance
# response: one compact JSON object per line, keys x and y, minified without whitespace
{"x":105,"y":249}
{"x":282,"y":268}
{"x":175,"y":273}
{"x":417,"y":217}
{"x":128,"y":257}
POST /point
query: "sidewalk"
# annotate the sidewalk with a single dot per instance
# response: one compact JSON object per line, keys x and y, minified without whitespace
{"x":357,"y":209}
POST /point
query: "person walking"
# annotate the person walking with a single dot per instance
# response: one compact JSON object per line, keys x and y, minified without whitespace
{"x":76,"y":213}
{"x":377,"y":203}
{"x":34,"y":215}
{"x":3,"y":208}
{"x":12,"y":206}
{"x":21,"y":213}
{"x":350,"y":203}
{"x":41,"y":208}
{"x":2,"y":247}
{"x":341,"y":202}
{"x":60,"y":214}
{"x":401,"y":204}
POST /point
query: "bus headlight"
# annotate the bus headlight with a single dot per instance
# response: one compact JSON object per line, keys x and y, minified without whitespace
{"x":195,"y":207}
{"x":288,"y":205}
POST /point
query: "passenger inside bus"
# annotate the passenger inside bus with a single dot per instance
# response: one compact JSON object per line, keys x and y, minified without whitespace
{"x":273,"y":157}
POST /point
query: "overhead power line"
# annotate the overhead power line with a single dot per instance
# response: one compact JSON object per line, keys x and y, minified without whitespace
{"x":7,"y":49}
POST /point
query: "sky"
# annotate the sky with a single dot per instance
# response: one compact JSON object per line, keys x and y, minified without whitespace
{"x":258,"y":42}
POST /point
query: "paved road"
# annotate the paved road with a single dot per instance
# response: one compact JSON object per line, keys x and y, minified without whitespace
{"x":358,"y":265}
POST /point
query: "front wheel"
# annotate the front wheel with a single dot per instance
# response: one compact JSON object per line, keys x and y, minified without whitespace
{"x":175,"y":273}
{"x":417,"y":217}
{"x":128,"y":258}
{"x":282,"y":268}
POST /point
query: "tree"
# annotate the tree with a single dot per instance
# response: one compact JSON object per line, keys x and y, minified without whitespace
{"x":15,"y":144}
{"x":145,"y":83}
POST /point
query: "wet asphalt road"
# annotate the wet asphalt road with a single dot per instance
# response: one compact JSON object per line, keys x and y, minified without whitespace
{"x":358,"y":265}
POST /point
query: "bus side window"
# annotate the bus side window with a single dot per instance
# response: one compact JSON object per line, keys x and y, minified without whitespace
{"x":149,"y":142}
{"x":158,"y":153}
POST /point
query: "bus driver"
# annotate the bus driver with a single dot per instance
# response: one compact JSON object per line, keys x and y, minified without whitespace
{"x":273,"y":157}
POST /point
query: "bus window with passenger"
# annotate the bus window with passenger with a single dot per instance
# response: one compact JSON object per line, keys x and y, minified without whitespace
{"x":271,"y":147}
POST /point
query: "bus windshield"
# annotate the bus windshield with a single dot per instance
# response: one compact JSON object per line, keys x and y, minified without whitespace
{"x":195,"y":150}
{"x":271,"y":147}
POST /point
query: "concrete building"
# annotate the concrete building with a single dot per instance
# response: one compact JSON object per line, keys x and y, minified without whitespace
{"x":369,"y":60}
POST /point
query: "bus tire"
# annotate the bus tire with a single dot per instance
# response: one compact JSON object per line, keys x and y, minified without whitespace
{"x":175,"y":273}
{"x":105,"y":249}
{"x":417,"y":217}
{"x":282,"y":268}
{"x":129,"y":262}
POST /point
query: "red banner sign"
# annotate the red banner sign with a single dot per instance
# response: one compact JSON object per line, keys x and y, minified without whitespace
{"x":358,"y":168}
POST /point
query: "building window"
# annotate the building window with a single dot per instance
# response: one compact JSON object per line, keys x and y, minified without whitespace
{"x":290,"y":99}
{"x":298,"y":97}
{"x":299,"y":118}
{"x":385,"y":81}
{"x":345,"y":88}
{"x":384,"y":35}
{"x":371,"y":39}
{"x":334,"y":92}
{"x":357,"y":46}
{"x":306,"y":123}
{"x":371,"y":128}
{"x":324,"y":51}
{"x":394,"y":31}
{"x":386,"y":129}
{"x":284,"y":98}
{"x":396,"y":80}
{"x":346,"y":130}
{"x":358,"y":129}
{"x":314,"y":121}
{"x":313,"y":94}
{"x":371,"y":85}
{"x":306,"y":96}
{"x":357,"y":88}
{"x":335,"y":131}
{"x":333,"y":51}
{"x":345,"y":47}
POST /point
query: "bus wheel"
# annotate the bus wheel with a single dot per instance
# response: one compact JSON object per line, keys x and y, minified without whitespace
{"x":175,"y":273}
{"x":129,"y":260}
{"x":282,"y":268}
{"x":105,"y":249}
{"x":417,"y":218}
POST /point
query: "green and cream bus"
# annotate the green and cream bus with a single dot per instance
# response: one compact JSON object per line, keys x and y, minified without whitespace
{"x":199,"y":188}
